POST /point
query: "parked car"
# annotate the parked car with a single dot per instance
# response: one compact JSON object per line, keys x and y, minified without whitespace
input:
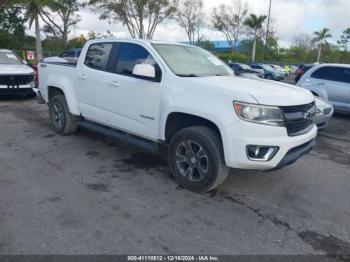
{"x":280,"y":70}
{"x":324,"y":113}
{"x":156,"y":94}
{"x":36,"y":77}
{"x":269,"y":72}
{"x":15,"y":76}
{"x":248,"y":75}
{"x":301,"y":71}
{"x":293,"y":68}
{"x":243,"y":69}
{"x":330,"y":82}
{"x":288,"y":69}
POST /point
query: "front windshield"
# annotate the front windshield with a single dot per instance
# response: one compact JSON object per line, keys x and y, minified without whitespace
{"x":9,"y":58}
{"x":190,"y":61}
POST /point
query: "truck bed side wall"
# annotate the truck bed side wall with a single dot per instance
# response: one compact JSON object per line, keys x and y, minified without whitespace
{"x":62,"y":77}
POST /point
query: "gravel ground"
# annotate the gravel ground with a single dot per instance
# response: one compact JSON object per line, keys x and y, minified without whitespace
{"x":85,"y":194}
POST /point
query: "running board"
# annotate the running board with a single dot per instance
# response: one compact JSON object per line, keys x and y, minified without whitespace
{"x":144,"y":144}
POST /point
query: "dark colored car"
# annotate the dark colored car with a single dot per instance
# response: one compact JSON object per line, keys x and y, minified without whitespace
{"x":243,"y":69}
{"x":301,"y":71}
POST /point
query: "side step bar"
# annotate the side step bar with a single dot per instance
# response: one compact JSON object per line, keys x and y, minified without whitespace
{"x":149,"y":146}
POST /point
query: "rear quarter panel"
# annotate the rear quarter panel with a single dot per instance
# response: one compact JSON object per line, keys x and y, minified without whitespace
{"x":62,"y":77}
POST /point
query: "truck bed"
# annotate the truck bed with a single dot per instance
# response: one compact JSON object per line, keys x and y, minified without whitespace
{"x":56,"y":74}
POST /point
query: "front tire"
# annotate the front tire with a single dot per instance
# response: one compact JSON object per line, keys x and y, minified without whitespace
{"x":196,"y":159}
{"x":62,"y":121}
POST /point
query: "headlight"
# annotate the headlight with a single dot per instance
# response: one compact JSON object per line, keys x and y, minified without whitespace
{"x":265,"y":115}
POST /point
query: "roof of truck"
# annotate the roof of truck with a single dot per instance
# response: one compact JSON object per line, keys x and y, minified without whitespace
{"x":5,"y":51}
{"x":143,"y":41}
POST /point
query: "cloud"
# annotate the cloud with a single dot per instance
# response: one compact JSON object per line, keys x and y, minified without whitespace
{"x":290,"y":18}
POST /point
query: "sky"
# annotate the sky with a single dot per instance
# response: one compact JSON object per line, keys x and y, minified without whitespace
{"x":289,"y":19}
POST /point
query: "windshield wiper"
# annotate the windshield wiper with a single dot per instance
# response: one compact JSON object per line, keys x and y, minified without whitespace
{"x":188,"y":75}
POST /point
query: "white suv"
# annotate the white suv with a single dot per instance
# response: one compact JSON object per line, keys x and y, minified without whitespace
{"x":15,"y":76}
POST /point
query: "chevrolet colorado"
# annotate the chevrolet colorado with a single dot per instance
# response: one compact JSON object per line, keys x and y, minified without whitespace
{"x":151,"y":93}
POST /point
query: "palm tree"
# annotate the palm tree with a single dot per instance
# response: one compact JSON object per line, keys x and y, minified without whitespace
{"x":33,"y":9}
{"x":255,"y":24}
{"x":321,"y":39}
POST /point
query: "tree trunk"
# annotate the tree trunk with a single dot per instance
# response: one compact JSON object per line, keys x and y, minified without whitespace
{"x":65,"y":36}
{"x":319,"y":53}
{"x":254,"y":50}
{"x":234,"y":45}
{"x":39,"y":48}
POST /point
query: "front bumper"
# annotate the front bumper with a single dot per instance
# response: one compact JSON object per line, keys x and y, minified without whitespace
{"x":25,"y":90}
{"x":322,"y":120}
{"x":237,"y":136}
{"x":294,"y":154}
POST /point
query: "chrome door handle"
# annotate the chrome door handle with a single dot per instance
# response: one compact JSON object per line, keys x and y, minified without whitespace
{"x":83,"y":77}
{"x":113,"y":84}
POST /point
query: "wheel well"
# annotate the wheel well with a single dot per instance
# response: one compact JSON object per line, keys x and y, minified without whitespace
{"x":53,"y":91}
{"x":179,"y":121}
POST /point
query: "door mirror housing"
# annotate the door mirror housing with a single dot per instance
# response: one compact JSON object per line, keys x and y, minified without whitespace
{"x":146,"y":71}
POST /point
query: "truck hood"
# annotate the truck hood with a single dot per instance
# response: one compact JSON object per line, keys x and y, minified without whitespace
{"x":265,"y":92}
{"x":6,"y":69}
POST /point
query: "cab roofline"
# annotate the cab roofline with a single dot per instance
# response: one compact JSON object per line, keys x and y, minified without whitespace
{"x":137,"y":41}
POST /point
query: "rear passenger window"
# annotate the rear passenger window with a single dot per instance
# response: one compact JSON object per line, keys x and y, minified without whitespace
{"x":97,"y":55}
{"x":337,"y":74}
{"x":131,"y":55}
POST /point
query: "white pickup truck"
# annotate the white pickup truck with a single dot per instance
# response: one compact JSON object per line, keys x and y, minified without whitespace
{"x":155,"y":94}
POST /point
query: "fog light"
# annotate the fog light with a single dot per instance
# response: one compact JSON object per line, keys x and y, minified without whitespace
{"x":261,"y":153}
{"x":327,"y":111}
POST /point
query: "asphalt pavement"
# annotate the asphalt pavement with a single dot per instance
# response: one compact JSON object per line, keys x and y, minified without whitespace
{"x":85,"y":194}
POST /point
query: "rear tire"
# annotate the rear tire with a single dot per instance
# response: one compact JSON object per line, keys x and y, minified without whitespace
{"x":196,"y":159}
{"x":62,"y":121}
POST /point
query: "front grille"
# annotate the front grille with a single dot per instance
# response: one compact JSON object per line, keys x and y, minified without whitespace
{"x":16,"y":80}
{"x":299,"y":119}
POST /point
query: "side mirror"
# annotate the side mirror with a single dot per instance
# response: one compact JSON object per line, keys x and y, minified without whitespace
{"x":144,"y":70}
{"x":25,"y":62}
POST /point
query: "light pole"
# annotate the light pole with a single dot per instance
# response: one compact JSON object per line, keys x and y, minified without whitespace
{"x":268,"y":26}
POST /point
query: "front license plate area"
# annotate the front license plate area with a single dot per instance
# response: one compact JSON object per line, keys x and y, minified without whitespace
{"x":12,"y":86}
